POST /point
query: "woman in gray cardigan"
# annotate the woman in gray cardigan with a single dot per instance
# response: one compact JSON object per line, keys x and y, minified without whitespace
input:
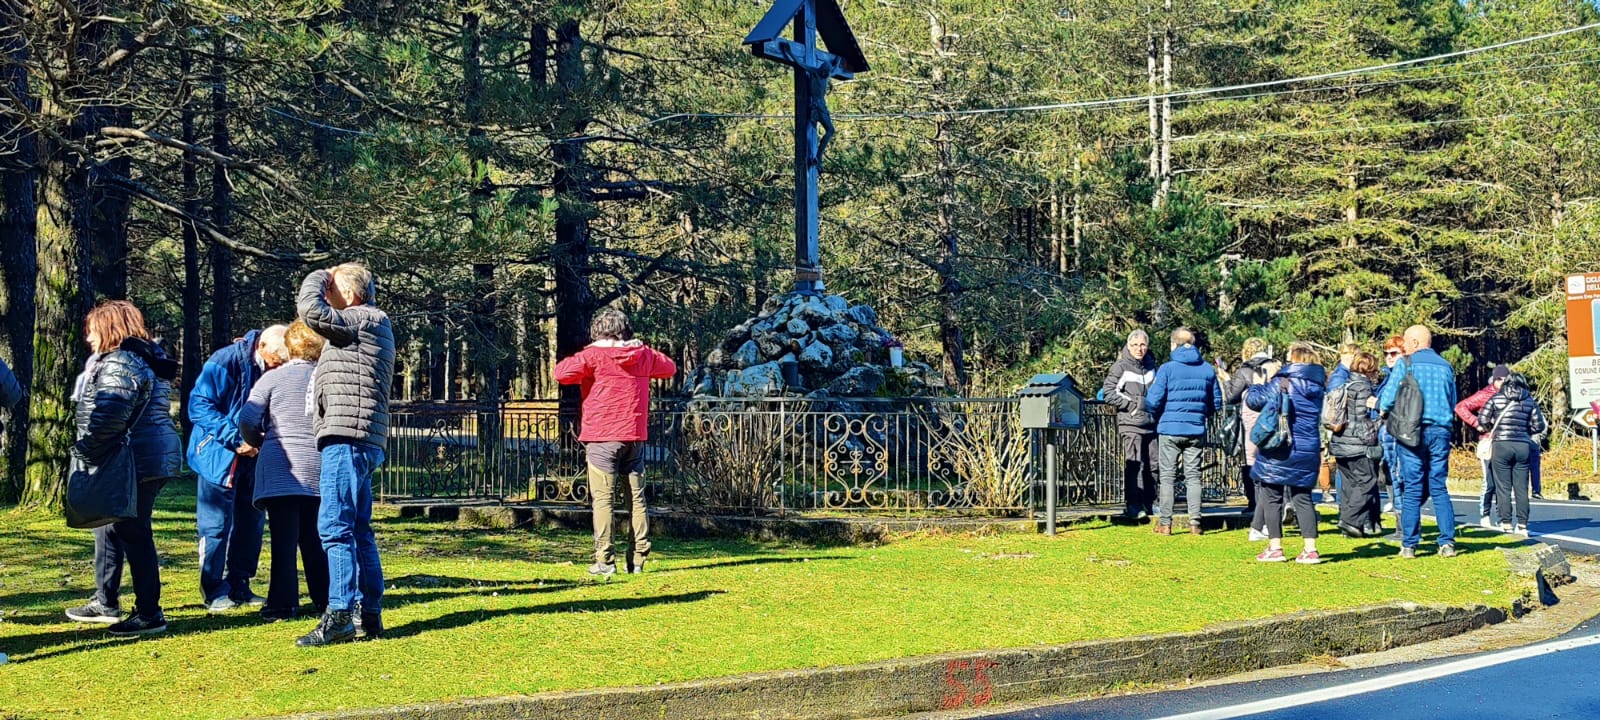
{"x":276,"y":419}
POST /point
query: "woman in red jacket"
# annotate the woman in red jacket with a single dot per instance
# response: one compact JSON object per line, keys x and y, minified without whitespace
{"x":615,"y":371}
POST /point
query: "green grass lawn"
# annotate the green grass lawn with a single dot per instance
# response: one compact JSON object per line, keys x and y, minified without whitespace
{"x":480,"y":612}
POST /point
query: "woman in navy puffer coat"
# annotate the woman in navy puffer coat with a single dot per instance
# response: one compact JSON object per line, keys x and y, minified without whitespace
{"x":1287,"y":474}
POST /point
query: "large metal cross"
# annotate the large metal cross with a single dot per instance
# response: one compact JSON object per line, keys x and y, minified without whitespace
{"x":813,"y":68}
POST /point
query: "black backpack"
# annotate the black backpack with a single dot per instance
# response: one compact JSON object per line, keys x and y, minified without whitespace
{"x":1405,"y":418}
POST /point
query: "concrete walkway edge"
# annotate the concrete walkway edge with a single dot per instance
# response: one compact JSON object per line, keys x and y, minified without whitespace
{"x":980,"y":678}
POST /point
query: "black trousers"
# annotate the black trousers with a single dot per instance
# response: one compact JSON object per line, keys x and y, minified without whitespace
{"x":1273,"y":498}
{"x":131,"y":541}
{"x":1359,"y":505}
{"x":1248,"y":484}
{"x":1511,"y":467}
{"x":292,"y":520}
{"x":1138,"y":471}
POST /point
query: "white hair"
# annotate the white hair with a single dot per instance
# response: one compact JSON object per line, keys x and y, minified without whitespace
{"x":270,"y":343}
{"x":354,"y":280}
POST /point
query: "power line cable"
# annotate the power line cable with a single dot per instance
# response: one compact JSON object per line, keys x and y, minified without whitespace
{"x":1130,"y":99}
{"x":1180,"y":97}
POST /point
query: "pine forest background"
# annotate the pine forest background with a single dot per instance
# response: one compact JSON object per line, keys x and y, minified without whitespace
{"x":505,"y":168}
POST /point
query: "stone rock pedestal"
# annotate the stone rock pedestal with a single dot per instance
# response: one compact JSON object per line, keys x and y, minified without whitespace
{"x":813,"y":345}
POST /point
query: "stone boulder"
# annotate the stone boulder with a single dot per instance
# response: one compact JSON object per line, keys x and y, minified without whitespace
{"x":838,"y":348}
{"x":756,"y":381}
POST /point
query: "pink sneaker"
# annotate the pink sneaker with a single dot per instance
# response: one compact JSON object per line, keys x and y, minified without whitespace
{"x":1309,"y":557}
{"x":1270,"y":555}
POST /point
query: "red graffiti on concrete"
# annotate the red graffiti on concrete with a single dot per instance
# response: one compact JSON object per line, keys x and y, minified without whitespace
{"x":959,"y":693}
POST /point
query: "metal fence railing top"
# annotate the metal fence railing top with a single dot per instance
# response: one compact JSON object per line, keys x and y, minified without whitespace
{"x":780,"y":455}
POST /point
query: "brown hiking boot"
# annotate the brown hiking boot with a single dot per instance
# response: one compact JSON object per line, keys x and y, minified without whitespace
{"x":1163,"y":529}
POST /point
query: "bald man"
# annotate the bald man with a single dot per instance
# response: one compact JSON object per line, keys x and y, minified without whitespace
{"x":1426,"y":467}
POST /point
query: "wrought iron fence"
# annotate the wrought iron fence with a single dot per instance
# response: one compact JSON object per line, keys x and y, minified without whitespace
{"x":889,"y":456}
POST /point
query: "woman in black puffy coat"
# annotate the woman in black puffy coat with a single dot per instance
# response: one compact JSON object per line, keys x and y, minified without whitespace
{"x":1353,"y":443}
{"x":125,"y":393}
{"x":1512,"y":417}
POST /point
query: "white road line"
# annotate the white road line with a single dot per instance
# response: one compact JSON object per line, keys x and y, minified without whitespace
{"x":1531,"y":533}
{"x":1386,"y":682}
{"x":1569,"y":504}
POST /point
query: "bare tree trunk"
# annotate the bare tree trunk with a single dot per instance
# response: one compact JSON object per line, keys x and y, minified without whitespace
{"x":1077,"y":214}
{"x":949,"y":266}
{"x":1150,"y":60}
{"x":19,"y":260}
{"x":222,"y":287}
{"x":193,"y":347}
{"x":64,"y":297}
{"x":574,"y":298}
{"x":65,"y":286}
{"x":1165,"y":184}
{"x":486,"y":360}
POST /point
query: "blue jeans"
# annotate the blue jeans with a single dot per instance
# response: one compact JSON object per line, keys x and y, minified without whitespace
{"x":345,"y":523}
{"x":1425,"y":469}
{"x":230,"y":529}
{"x":1486,"y":498}
{"x":1391,"y":462}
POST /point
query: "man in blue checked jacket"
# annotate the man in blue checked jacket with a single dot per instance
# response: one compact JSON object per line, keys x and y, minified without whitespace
{"x":1425,"y":468}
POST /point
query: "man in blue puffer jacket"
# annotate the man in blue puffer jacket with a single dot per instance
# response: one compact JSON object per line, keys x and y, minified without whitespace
{"x":1184,"y":395}
{"x":229,"y":524}
{"x":1426,"y":468}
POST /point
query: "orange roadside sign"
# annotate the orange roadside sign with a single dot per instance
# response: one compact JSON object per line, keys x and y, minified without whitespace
{"x":1583,"y":338}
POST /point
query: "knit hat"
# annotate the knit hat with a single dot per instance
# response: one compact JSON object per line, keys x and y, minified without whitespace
{"x":1501,"y":372}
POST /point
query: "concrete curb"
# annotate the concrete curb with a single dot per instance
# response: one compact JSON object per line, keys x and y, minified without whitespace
{"x":981,"y":678}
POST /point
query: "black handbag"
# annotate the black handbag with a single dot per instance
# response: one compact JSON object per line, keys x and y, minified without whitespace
{"x":106,"y":491}
{"x":103,"y":493}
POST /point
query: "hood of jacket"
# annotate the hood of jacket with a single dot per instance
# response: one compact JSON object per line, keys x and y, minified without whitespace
{"x":630,"y":355}
{"x":153,"y":356}
{"x":1308,"y":372}
{"x":1187,"y":354}
{"x":1258,"y":361}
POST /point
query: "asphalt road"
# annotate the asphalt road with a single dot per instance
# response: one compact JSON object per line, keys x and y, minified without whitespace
{"x":1573,"y":525}
{"x":1554,"y":680}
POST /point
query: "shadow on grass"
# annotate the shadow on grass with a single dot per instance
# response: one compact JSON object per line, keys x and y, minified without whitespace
{"x":472,"y":617}
{"x":501,"y":589}
{"x":753,"y":561}
{"x":84,"y":636}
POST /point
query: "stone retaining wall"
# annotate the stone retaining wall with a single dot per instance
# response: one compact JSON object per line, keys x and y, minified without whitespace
{"x":978,"y":679}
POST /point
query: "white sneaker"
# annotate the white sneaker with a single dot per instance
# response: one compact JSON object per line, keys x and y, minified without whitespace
{"x":1485,"y":522}
{"x":1257,"y":535}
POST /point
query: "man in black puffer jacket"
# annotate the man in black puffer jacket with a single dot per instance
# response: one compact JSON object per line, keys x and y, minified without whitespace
{"x":1124,"y":390}
{"x":350,"y":411}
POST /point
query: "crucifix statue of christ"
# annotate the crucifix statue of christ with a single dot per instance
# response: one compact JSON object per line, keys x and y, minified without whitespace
{"x":813,"y":68}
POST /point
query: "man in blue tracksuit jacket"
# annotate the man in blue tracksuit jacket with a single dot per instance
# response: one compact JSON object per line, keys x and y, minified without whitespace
{"x":1425,"y":468}
{"x":229,"y":524}
{"x":1184,"y":395}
